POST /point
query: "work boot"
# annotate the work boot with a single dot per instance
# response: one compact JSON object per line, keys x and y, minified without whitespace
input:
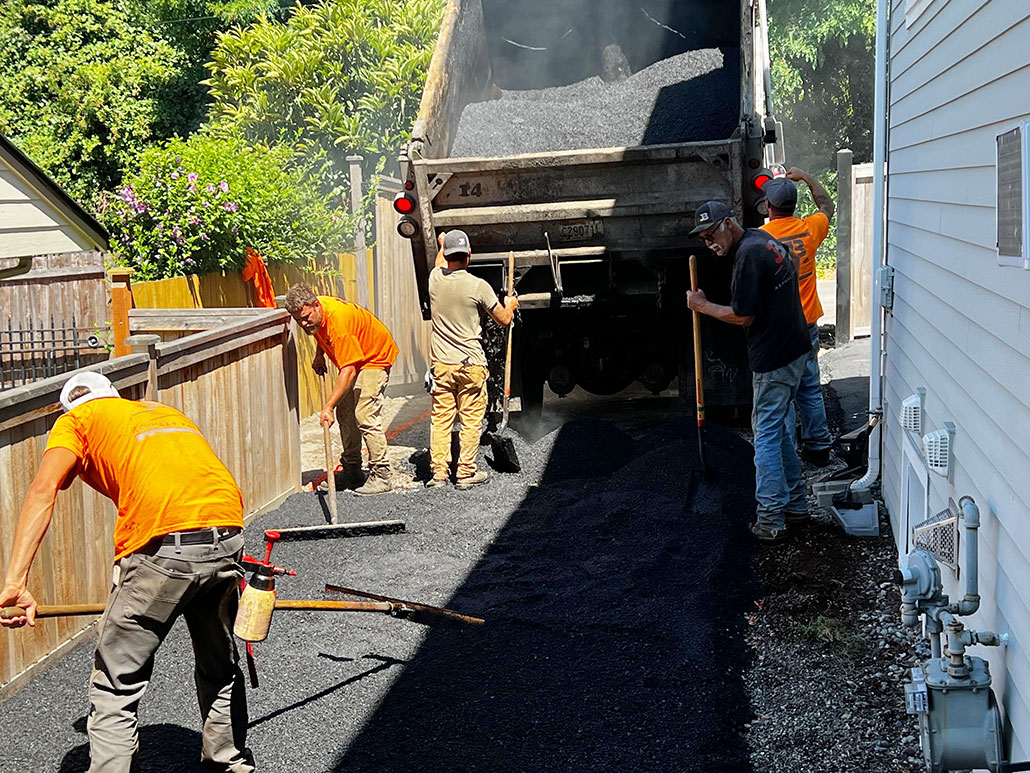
{"x":768,"y":534}
{"x":819,"y":457}
{"x":796,"y":519}
{"x":475,"y":479}
{"x":349,"y":478}
{"x":436,"y":482}
{"x":378,"y":482}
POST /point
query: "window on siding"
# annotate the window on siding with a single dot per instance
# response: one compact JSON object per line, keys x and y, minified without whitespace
{"x":1012,"y":161}
{"x":914,"y":9}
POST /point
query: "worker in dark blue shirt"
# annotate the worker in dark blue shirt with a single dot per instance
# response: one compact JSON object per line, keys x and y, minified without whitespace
{"x":766,"y":302}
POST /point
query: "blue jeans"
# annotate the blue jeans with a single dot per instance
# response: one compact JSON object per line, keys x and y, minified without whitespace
{"x":815,"y":433}
{"x":778,"y":483}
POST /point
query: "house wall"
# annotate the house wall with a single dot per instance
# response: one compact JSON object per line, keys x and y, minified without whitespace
{"x":29,"y":225}
{"x":960,"y":325}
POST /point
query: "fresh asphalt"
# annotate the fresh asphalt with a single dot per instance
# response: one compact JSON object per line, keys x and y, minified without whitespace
{"x":614,"y":580}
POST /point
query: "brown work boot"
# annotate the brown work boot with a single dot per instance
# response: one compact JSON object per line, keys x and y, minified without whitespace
{"x":475,"y":479}
{"x":378,"y":482}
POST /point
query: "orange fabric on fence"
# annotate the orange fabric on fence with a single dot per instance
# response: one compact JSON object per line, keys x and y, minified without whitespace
{"x":256,"y":271}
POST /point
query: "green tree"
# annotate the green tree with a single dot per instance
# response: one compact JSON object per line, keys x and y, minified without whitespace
{"x":336,"y":78}
{"x":81,"y":83}
{"x":195,"y":205}
{"x":823,"y":71}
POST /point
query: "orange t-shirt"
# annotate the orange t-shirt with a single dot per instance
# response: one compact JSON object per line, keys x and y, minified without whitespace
{"x":802,"y":236}
{"x":153,"y":463}
{"x":255,"y":271}
{"x":352,"y":335}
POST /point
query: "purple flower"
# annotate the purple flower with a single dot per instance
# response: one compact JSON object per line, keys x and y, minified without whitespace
{"x":206,"y":203}
{"x":204,"y":237}
{"x":194,"y":220}
{"x":231,"y":206}
{"x":192,"y":177}
{"x":224,"y":186}
{"x":174,"y":175}
{"x":188,"y":261}
{"x":160,"y":228}
{"x":210,"y":188}
{"x":125,"y":238}
{"x":234,"y":229}
{"x":192,"y":188}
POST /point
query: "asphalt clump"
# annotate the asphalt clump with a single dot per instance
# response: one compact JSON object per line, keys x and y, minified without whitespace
{"x":690,"y":97}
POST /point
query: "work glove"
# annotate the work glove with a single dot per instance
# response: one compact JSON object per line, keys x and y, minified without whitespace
{"x":428,"y":382}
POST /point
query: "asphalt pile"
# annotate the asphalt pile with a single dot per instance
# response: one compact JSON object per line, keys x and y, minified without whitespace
{"x":613,"y":579}
{"x":690,"y":97}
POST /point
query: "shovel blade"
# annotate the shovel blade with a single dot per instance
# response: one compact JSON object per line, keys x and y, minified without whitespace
{"x":506,"y":459}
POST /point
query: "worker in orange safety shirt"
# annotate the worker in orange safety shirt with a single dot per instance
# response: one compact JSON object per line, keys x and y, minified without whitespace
{"x":178,"y":543}
{"x":802,"y":237}
{"x":363,"y":350}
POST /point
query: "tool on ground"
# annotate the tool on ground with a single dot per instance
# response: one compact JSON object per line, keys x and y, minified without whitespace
{"x":327,"y":440}
{"x":316,"y":605}
{"x":411,"y":610}
{"x":506,"y":459}
{"x":355,"y":529}
{"x":699,"y":385}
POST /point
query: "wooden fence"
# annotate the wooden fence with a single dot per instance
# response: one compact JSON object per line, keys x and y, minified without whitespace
{"x":58,"y":289}
{"x":237,"y":381}
{"x":855,"y":258}
{"x":397,"y":297}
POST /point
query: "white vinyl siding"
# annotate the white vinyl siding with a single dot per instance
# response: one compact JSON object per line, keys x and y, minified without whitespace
{"x":960,"y":326}
{"x":30,"y":225}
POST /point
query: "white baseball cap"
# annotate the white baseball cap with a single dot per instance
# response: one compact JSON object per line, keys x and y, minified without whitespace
{"x":97,"y":384}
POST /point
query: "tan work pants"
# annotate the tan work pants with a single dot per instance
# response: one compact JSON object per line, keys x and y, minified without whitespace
{"x":459,"y":390}
{"x":360,"y":415}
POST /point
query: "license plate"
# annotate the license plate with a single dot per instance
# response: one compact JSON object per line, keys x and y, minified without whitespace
{"x":580,"y":231}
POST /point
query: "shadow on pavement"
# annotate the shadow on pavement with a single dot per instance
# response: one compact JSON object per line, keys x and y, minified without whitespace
{"x":615,"y":599}
{"x":168,"y":748}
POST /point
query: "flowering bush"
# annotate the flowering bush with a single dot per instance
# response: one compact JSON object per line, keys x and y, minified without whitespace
{"x":195,"y":206}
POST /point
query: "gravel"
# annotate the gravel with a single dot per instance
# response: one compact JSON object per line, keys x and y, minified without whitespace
{"x":689,"y":97}
{"x":613,"y":581}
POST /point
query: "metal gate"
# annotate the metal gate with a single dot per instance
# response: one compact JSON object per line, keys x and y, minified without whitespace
{"x":36,"y":352}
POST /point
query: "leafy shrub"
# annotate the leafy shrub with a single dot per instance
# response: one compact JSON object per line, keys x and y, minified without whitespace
{"x":337,"y":78}
{"x":81,"y":84}
{"x":194,"y":206}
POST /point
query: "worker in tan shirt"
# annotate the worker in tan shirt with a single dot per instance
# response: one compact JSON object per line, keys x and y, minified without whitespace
{"x":458,"y":299}
{"x":363,"y":350}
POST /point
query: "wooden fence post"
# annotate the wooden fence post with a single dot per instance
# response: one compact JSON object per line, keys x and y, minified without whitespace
{"x":360,"y":253}
{"x":845,"y":185}
{"x":121,"y":302}
{"x":143,"y":343}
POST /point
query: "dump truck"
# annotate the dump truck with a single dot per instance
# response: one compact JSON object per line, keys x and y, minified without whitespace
{"x":582,"y":135}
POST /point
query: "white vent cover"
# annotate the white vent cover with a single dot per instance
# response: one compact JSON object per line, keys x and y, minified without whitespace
{"x":938,"y":535}
{"x":912,"y":413}
{"x":937,"y":449}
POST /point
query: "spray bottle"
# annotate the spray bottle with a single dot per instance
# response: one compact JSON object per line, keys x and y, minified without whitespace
{"x":257,"y":601}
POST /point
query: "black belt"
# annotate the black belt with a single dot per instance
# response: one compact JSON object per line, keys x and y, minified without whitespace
{"x":208,"y":536}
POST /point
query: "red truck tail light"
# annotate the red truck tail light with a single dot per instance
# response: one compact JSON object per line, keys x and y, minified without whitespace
{"x":761,"y":179}
{"x":404,"y":203}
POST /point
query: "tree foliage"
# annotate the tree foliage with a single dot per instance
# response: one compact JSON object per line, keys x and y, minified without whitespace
{"x":81,"y":87}
{"x":194,"y":206}
{"x":336,"y":78}
{"x":823,"y":73}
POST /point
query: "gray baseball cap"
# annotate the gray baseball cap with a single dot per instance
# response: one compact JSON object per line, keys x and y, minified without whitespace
{"x":456,"y":243}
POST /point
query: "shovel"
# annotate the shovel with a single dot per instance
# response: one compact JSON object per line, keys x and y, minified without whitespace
{"x":502,"y":445}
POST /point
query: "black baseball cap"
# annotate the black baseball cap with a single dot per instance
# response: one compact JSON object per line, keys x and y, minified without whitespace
{"x":781,"y":193}
{"x":708,"y":214}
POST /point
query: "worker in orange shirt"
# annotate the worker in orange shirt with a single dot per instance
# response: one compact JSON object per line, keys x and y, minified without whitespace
{"x":802,"y":237}
{"x":177,"y":544}
{"x":363,"y":350}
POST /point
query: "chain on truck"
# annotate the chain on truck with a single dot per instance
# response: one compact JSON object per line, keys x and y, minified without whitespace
{"x":517,"y":97}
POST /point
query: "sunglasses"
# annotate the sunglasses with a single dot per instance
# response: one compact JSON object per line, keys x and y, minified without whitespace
{"x":708,"y":237}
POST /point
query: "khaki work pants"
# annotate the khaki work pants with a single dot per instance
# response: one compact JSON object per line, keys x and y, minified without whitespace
{"x":459,"y":390}
{"x":154,"y":587}
{"x":360,"y":415}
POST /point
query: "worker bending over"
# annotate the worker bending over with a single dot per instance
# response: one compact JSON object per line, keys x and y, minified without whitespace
{"x":177,"y":544}
{"x":765,"y":301}
{"x":458,"y":300}
{"x":802,"y":237}
{"x":363,"y":350}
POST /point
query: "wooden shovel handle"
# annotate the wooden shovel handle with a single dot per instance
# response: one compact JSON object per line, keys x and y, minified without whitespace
{"x":699,"y":385}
